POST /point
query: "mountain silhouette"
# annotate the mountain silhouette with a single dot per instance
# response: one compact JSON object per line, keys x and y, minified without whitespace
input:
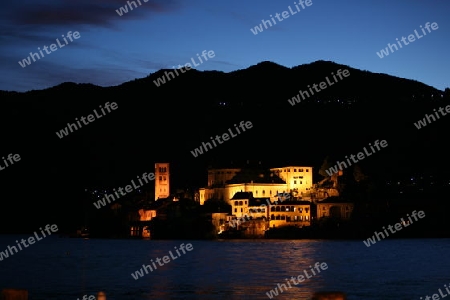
{"x":159,"y":124}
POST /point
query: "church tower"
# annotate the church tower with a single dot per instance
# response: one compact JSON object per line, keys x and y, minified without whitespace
{"x":162,"y":179}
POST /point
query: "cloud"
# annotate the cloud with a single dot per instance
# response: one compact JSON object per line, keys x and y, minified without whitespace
{"x":20,"y":20}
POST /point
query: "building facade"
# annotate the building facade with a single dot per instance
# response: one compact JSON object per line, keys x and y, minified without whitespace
{"x":245,"y":208}
{"x":334,"y":208}
{"x":290,"y":213}
{"x":298,"y":179}
{"x":162,"y":180}
{"x":223,"y":184}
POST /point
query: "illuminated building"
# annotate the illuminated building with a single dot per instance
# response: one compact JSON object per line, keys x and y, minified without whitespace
{"x":223,"y":184}
{"x":162,"y":180}
{"x":335,"y":208}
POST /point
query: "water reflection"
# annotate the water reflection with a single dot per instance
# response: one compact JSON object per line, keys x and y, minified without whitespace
{"x":226,"y":269}
{"x":249,"y":268}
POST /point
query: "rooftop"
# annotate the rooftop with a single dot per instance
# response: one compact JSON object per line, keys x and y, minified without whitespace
{"x":242,"y":195}
{"x":256,"y":175}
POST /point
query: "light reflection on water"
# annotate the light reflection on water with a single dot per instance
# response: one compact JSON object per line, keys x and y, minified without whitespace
{"x":57,"y":268}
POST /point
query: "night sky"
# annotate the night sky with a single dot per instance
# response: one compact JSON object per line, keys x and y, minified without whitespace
{"x":113,"y":49}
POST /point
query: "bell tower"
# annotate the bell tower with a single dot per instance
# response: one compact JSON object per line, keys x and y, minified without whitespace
{"x":162,"y":180}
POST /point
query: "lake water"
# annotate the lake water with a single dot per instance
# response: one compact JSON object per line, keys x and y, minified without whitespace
{"x":64,"y":268}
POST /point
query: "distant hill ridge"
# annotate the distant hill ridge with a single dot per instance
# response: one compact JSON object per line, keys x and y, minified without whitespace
{"x":294,"y":78}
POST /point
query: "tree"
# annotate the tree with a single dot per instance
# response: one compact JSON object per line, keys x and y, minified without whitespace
{"x":358,"y":174}
{"x":325,"y":166}
{"x":447,"y":93}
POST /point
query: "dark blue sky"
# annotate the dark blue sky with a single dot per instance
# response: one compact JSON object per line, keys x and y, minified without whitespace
{"x":113,"y":49}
